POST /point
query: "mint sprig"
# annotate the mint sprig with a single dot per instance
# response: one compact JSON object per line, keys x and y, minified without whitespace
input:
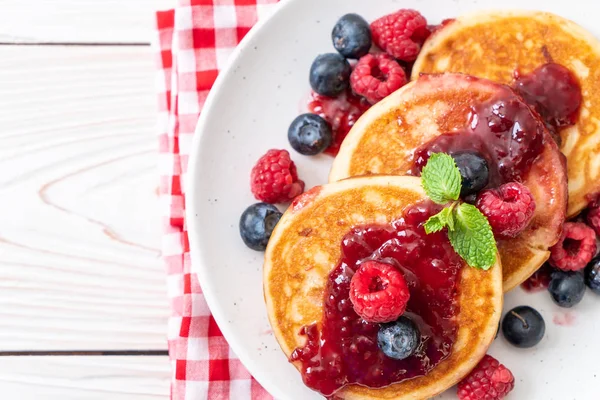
{"x":440,"y":220}
{"x":441,"y":178}
{"x":472,"y":237}
{"x":469,"y":231}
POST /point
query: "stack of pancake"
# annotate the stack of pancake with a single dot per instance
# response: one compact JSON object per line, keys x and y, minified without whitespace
{"x":365,"y":186}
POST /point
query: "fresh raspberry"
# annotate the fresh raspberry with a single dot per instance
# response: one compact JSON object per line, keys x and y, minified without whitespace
{"x":274,"y":178}
{"x":378,"y":292}
{"x":509,"y":208}
{"x":575,"y":248}
{"x":490,"y":380}
{"x":592,"y":217}
{"x":377,"y":76}
{"x":401,"y":34}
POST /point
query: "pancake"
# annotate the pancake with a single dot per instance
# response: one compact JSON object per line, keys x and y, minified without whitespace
{"x":493,"y":44}
{"x":305,"y":247}
{"x":385,"y":138}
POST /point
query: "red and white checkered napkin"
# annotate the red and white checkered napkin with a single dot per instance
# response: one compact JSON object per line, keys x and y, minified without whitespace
{"x":194,"y":42}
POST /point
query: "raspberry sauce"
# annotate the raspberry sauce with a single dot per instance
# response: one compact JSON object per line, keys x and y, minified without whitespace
{"x":342,"y":348}
{"x":539,"y":281}
{"x":553,"y":91}
{"x":504,"y":130}
{"x":341,"y":112}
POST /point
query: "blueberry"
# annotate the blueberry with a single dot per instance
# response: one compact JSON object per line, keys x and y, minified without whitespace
{"x":398,"y":339}
{"x":498,"y":330}
{"x":523,"y":327}
{"x":592,"y":275}
{"x":257,"y":223}
{"x":473,"y":170}
{"x":330,"y":74}
{"x":309,"y":134}
{"x":351,"y":36}
{"x":566,"y":288}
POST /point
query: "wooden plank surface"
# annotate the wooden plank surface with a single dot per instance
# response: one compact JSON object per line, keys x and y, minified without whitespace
{"x":80,"y":21}
{"x":90,"y":378}
{"x":80,"y":235}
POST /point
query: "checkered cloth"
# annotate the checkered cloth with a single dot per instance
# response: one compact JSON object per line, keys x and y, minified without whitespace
{"x":194,"y":42}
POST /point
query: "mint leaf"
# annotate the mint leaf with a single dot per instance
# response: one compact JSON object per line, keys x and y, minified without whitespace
{"x":441,"y":178}
{"x":472,"y":237}
{"x":439,"y":221}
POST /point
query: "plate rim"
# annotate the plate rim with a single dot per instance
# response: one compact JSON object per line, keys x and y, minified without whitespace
{"x":193,"y":204}
{"x":194,"y":233}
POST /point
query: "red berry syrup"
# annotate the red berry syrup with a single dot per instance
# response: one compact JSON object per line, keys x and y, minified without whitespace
{"x":554,"y":92}
{"x":504,"y":130}
{"x":342,"y":349}
{"x":341,"y":112}
{"x":539,"y":281}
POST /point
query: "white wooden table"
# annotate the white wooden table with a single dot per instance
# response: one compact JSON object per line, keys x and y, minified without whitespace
{"x":80,"y":269}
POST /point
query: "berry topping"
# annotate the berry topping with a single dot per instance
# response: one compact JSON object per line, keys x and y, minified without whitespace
{"x":592,"y":275}
{"x":376,"y":77}
{"x":257,"y":223}
{"x":341,"y":113}
{"x":351,"y":36}
{"x":274,"y":178}
{"x":474,"y":172}
{"x":567,"y":288}
{"x":329,"y":74}
{"x":309,"y":134}
{"x":432,"y":271}
{"x":592,"y":217}
{"x":378,"y":292}
{"x":523,"y":327}
{"x":398,"y":339}
{"x":575,"y":248}
{"x":554,"y":92}
{"x":509,"y":208}
{"x":503,"y":129}
{"x":436,"y":28}
{"x":490,"y":380}
{"x":401,"y":34}
{"x":540,"y":279}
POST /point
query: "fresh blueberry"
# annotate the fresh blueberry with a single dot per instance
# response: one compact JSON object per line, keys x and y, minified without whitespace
{"x":351,"y":36}
{"x":309,"y":134}
{"x":566,"y":288}
{"x":523,"y":327}
{"x":330,"y":74}
{"x":473,"y":170}
{"x":257,"y":223}
{"x":592,"y":275}
{"x":398,"y":339}
{"x":498,"y":330}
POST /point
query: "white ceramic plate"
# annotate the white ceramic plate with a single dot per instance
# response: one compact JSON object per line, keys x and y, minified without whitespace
{"x":248,"y":112}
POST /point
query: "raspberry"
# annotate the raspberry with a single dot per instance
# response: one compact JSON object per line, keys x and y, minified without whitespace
{"x":401,"y":34}
{"x":490,"y":380}
{"x":509,"y":208}
{"x":378,"y":292}
{"x":593,"y":217}
{"x":575,"y":248}
{"x":376,"y":77}
{"x":274,"y":178}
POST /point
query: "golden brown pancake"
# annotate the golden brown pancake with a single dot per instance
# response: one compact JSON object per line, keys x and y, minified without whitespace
{"x":305,"y":247}
{"x":493,"y":44}
{"x":384,"y":140}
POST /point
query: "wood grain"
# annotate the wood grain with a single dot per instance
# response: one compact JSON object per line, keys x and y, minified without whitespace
{"x":90,"y":378}
{"x":78,"y":21}
{"x":80,"y":232}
